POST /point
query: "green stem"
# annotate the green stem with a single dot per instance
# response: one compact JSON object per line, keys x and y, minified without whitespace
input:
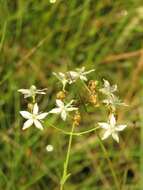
{"x":65,"y":170}
{"x":85,"y":85}
{"x":33,"y":99}
{"x":116,"y":181}
{"x":75,"y":134}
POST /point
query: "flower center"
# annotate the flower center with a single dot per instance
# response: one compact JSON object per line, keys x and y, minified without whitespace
{"x":34,"y":116}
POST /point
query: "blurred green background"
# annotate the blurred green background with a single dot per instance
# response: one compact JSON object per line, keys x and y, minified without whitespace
{"x":37,"y":38}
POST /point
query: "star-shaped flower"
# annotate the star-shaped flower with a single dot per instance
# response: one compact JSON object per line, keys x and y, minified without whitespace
{"x":111,"y":128}
{"x":33,"y":118}
{"x":80,"y":73}
{"x":32,"y":91}
{"x":108,"y":89}
{"x":62,"y":78}
{"x":63,"y":109}
{"x":113,"y":101}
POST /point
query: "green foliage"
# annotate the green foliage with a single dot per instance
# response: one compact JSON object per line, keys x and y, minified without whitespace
{"x":38,"y":38}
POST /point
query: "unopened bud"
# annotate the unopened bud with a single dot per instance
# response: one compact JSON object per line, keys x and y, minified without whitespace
{"x":93,"y":99}
{"x":61,"y":95}
{"x":30,"y":107}
{"x":92,"y":85}
{"x":77,"y":118}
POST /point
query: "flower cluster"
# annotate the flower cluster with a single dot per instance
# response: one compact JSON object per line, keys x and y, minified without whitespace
{"x":111,"y":101}
{"x":65,"y":105}
{"x":33,"y":117}
{"x":72,"y":76}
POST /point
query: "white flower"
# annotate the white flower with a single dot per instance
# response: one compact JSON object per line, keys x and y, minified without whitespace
{"x":33,"y":118}
{"x":78,"y":74}
{"x":63,"y":109}
{"x":52,"y":1}
{"x":111,"y":128}
{"x":108,"y":89}
{"x":49,"y":148}
{"x":62,"y":78}
{"x":113,"y":101}
{"x":31,"y":92}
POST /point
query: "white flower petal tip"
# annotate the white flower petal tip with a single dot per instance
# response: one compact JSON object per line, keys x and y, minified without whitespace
{"x":25,"y":114}
{"x":121,"y":127}
{"x":112,"y":120}
{"x":38,"y":124}
{"x":63,"y":115}
{"x":35,"y":109}
{"x":59,"y":103}
{"x":49,"y":148}
{"x":27,"y":124}
{"x":115,"y":137}
{"x":106,"y":134}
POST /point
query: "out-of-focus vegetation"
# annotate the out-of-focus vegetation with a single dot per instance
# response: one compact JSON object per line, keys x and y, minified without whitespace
{"x":37,"y":38}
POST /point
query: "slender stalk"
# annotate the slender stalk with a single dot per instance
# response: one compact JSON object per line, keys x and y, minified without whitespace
{"x":74,"y":134}
{"x":85,"y":85}
{"x":65,"y":170}
{"x":116,"y":181}
{"x":33,"y":99}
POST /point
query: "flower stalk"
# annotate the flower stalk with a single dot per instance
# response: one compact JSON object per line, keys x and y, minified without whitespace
{"x":66,"y":175}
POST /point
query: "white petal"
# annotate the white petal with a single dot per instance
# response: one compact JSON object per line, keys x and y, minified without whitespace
{"x":35,"y":109}
{"x":64,"y":115}
{"x":106,"y":83}
{"x":40,"y":92}
{"x":27,"y":124}
{"x":56,"y":75}
{"x":114,"y":88}
{"x":104,"y":125}
{"x":59,"y":103}
{"x":26,"y":114}
{"x":55,"y":110}
{"x":73,"y":75}
{"x":81,"y":70}
{"x":38,"y":124}
{"x":106,"y":134}
{"x":87,"y":72}
{"x":115,"y":137}
{"x":62,"y":75}
{"x":24,"y":91}
{"x":120,"y":127}
{"x":103,"y":90}
{"x":82,"y":77}
{"x":112,"y":120}
{"x":69,"y":104}
{"x":42,"y":116}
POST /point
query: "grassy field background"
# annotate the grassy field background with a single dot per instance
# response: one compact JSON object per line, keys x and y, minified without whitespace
{"x":38,"y":38}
